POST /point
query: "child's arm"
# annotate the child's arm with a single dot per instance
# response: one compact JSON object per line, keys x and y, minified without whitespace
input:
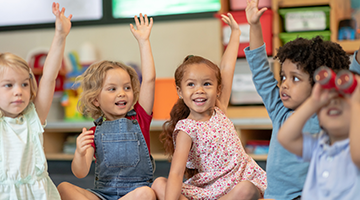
{"x":142,"y":34}
{"x":228,"y":61}
{"x":253,"y":15}
{"x":178,"y":165}
{"x":84,"y":153}
{"x":354,"y":134}
{"x":290,"y":134}
{"x":52,"y":64}
{"x":355,"y":64}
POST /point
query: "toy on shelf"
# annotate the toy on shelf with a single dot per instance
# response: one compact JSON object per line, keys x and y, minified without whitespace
{"x":36,"y":60}
{"x":72,"y":90}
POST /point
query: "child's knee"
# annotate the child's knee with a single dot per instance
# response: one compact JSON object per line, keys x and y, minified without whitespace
{"x":144,"y":193}
{"x":63,"y":186}
{"x":159,"y":183}
{"x":247,"y":190}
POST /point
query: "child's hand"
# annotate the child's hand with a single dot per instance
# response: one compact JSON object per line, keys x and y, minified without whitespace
{"x":62,"y":23}
{"x":143,"y":28}
{"x":253,"y":14}
{"x":355,"y":97}
{"x":84,"y":141}
{"x":229,"y":19}
{"x":322,"y":96}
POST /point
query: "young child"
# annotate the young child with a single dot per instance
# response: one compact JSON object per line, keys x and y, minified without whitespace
{"x":120,"y":140}
{"x":299,"y":59}
{"x":202,"y":139}
{"x":23,"y":112}
{"x":334,"y":171}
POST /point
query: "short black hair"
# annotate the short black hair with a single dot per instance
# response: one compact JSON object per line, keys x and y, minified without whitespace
{"x":310,"y":54}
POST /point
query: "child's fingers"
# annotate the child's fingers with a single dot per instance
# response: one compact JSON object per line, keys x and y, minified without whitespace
{"x":70,"y":16}
{"x":146,"y":20}
{"x":151,"y":22}
{"x":136,"y":21}
{"x":141,"y":19}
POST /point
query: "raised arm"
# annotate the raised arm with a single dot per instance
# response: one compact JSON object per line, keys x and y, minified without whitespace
{"x":355,"y":64}
{"x":52,"y":64}
{"x":178,"y":165}
{"x":228,"y":61}
{"x":253,"y":15}
{"x":354,"y":134}
{"x":290,"y":134}
{"x":142,"y":34}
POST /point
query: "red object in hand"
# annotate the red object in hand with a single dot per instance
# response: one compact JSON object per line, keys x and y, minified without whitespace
{"x":345,"y":82}
{"x":326,"y":77}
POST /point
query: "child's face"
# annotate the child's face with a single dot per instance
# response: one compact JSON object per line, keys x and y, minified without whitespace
{"x":116,"y":97}
{"x":199,"y":90}
{"x":334,"y":118}
{"x":15,"y":91}
{"x":295,"y":86}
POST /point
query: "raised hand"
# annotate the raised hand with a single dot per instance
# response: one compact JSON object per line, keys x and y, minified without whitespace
{"x":143,"y":27}
{"x":62,"y":23}
{"x":253,"y":14}
{"x":229,"y":19}
{"x":84,"y":141}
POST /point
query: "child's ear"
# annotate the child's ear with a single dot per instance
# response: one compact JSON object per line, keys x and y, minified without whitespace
{"x":96,"y":102}
{"x":178,"y":90}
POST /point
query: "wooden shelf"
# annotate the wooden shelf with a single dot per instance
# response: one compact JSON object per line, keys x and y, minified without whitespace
{"x":350,"y":46}
{"x":250,"y":121}
{"x":300,"y":3}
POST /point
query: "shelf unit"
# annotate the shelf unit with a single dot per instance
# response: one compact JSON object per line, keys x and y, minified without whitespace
{"x":251,"y":122}
{"x":339,"y":10}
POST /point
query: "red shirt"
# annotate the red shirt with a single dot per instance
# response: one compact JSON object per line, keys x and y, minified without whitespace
{"x":144,"y":121}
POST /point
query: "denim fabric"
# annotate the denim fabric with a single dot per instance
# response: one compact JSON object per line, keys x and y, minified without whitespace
{"x":123,"y":162}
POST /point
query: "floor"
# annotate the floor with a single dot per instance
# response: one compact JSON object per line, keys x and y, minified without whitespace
{"x":61,"y":171}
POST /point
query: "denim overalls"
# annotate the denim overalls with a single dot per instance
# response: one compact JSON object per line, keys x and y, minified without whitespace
{"x":123,"y":162}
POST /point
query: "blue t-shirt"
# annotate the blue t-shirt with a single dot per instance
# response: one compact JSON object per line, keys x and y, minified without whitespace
{"x":285,"y":173}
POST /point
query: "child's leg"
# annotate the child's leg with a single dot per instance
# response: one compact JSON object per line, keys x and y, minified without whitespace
{"x":159,"y":186}
{"x":69,"y":191}
{"x":144,"y":192}
{"x":244,"y":190}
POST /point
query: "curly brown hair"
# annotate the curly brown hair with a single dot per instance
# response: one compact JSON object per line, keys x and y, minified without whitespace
{"x":310,"y":54}
{"x":180,"y":110}
{"x":91,"y":83}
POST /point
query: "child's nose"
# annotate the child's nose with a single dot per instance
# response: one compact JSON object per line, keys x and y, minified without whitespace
{"x":200,"y":89}
{"x":18,"y":91}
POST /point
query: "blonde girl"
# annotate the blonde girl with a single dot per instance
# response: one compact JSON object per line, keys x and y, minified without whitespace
{"x":120,"y":139}
{"x":24,"y":108}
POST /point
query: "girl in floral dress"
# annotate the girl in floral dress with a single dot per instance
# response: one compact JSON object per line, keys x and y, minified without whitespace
{"x":202,"y":140}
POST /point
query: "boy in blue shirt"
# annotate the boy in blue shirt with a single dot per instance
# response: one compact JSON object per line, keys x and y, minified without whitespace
{"x":299,"y":59}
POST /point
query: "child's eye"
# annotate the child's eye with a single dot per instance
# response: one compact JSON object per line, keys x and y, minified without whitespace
{"x":112,"y":89}
{"x":296,"y":79}
{"x":25,"y":84}
{"x":282,"y":78}
{"x":8,"y":85}
{"x":207,"y":84}
{"x":128,"y":88}
{"x":190,"y":84}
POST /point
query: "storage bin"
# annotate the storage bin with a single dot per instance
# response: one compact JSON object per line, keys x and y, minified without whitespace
{"x":287,"y":37}
{"x":240,"y":17}
{"x":241,"y":4}
{"x":165,"y":98}
{"x":306,"y":18}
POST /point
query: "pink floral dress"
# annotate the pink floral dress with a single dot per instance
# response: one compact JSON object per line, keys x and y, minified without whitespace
{"x":219,"y":157}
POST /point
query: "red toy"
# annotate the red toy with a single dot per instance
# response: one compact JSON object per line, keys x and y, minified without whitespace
{"x":346,"y":82}
{"x":326,"y":77}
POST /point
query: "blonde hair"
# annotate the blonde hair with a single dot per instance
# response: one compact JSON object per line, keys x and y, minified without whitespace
{"x":91,"y":83}
{"x":9,"y":60}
